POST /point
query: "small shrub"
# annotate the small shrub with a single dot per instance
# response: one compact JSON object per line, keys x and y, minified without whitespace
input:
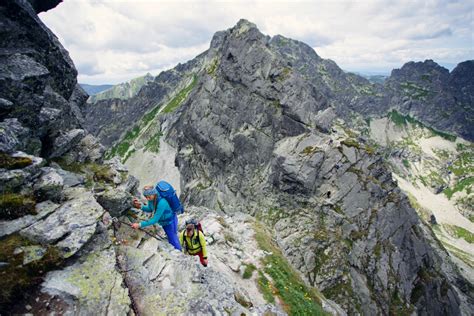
{"x":249,"y":269}
{"x":406,"y":163}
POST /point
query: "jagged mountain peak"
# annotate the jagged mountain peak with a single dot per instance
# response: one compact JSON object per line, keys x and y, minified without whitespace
{"x":413,"y":68}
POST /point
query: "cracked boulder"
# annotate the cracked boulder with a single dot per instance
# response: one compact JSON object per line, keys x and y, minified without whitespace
{"x":91,"y":286}
{"x":116,"y":202}
{"x":70,"y":226}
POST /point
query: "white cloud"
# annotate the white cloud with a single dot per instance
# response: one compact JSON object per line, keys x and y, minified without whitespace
{"x":113,"y":41}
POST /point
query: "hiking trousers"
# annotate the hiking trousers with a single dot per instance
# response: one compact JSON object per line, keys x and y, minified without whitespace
{"x":201,"y":257}
{"x":171,"y":231}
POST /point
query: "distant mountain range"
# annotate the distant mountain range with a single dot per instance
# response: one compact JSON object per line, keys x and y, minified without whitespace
{"x":94,"y":89}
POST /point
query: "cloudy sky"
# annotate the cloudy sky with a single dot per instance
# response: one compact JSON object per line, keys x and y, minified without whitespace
{"x":115,"y":41}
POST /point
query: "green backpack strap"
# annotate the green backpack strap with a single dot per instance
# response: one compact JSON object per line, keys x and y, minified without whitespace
{"x":184,"y":241}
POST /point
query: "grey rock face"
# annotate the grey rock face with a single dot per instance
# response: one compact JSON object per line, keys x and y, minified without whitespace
{"x":73,"y":224}
{"x":15,"y":137}
{"x":116,"y":202}
{"x":37,"y":81}
{"x":49,"y":186}
{"x":436,"y":97}
{"x":43,"y":209}
{"x":13,"y":180}
{"x":91,"y":286}
{"x":248,"y":141}
{"x":87,"y":150}
{"x":126,"y":113}
{"x":70,"y":179}
{"x":66,"y":141}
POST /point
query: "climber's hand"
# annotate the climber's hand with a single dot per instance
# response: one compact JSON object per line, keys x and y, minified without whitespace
{"x":136,"y":203}
{"x":135,"y":225}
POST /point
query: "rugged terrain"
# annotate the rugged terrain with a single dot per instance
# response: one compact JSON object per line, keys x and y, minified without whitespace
{"x":301,"y":213}
{"x":264,"y":126}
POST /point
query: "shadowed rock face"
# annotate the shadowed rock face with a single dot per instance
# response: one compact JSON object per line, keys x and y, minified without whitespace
{"x":44,"y":5}
{"x":38,"y":85}
{"x":435,"y":96}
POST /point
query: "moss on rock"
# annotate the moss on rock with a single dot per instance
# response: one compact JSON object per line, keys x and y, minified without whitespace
{"x":9,"y":162}
{"x":13,"y":205}
{"x":20,"y":270}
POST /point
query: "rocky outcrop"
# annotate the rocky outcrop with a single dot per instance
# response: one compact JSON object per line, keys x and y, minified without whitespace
{"x":249,"y":141}
{"x":38,"y":87}
{"x":436,"y":97}
{"x":49,"y":215}
{"x":255,"y":135}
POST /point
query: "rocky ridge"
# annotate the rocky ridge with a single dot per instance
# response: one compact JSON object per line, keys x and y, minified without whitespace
{"x":265,"y":131}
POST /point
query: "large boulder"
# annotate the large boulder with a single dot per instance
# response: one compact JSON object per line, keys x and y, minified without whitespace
{"x":87,"y":150}
{"x":66,"y":141}
{"x":116,"y":202}
{"x":91,"y":286}
{"x":49,"y":186}
{"x":43,"y":209}
{"x":70,"y":227}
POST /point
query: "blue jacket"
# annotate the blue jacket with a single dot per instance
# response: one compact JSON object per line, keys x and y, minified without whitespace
{"x":163,"y":215}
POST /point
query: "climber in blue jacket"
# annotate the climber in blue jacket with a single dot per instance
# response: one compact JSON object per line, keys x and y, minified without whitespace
{"x":162,"y":214}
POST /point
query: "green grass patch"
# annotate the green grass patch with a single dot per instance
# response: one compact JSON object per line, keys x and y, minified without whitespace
{"x":249,"y":269}
{"x":93,"y":172}
{"x":309,"y":150}
{"x":153,"y":144}
{"x":406,"y":163}
{"x":464,"y":184}
{"x":147,"y":118}
{"x":128,"y":155}
{"x":402,"y":120}
{"x":132,"y":134}
{"x":297,"y":298}
{"x":120,"y":149}
{"x":266,"y":288}
{"x":212,"y":68}
{"x":180,"y":97}
{"x":459,"y":232}
{"x":460,"y":254}
{"x":349,"y":142}
{"x":413,"y":91}
{"x":464,"y":164}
